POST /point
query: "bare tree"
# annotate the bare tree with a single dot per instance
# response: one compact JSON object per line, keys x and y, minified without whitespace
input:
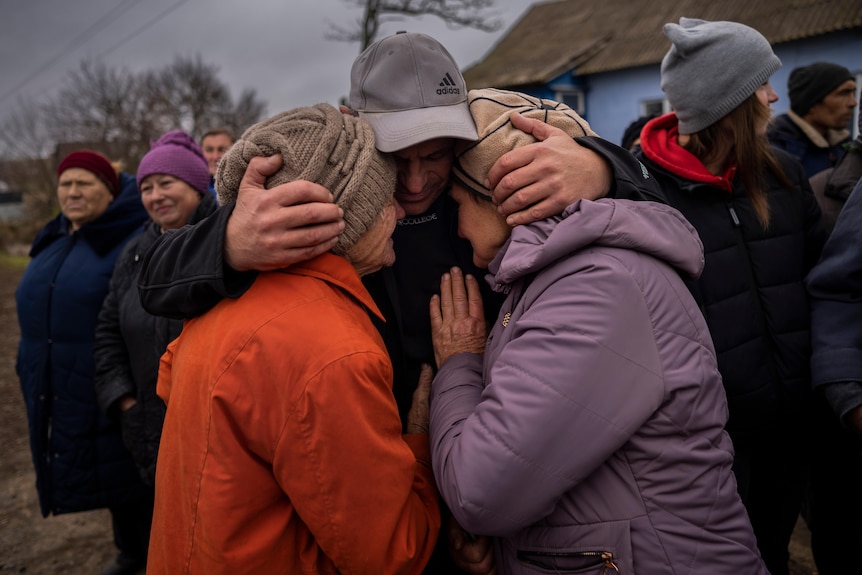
{"x":28,"y":168}
{"x":121,"y":112}
{"x":247,"y":111}
{"x":117,"y":112}
{"x":456,"y":13}
{"x":189,"y":96}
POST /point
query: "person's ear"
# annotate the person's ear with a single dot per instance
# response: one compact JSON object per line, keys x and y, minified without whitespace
{"x":347,"y":111}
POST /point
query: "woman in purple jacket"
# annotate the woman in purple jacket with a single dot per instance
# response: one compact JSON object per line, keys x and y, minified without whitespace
{"x":586,"y":434}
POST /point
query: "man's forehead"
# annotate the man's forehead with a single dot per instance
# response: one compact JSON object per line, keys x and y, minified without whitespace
{"x":848,"y":86}
{"x":426,"y":148}
{"x":211,"y":137}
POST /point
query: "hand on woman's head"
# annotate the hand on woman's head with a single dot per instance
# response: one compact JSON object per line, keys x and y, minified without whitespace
{"x":540,"y":180}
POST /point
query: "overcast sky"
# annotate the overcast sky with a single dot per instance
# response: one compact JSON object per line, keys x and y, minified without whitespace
{"x":276,"y":47}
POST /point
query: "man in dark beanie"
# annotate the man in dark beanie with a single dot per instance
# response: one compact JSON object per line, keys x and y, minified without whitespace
{"x":822,"y":97}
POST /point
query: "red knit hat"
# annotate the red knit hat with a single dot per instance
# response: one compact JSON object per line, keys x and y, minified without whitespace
{"x":93,"y":162}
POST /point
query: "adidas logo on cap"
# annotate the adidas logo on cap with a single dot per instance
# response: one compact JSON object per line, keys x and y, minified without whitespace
{"x":448,"y":86}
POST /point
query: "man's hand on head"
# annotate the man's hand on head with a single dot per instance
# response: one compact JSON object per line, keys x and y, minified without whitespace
{"x":542,"y":179}
{"x":274,"y":228}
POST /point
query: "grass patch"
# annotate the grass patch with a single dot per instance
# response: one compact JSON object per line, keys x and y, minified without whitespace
{"x":16,"y":262}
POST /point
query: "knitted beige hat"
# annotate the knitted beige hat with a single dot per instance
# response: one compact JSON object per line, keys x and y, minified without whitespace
{"x":490,"y":109}
{"x":321,"y":145}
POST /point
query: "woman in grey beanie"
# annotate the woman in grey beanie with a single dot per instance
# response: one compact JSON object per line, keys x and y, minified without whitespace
{"x":762,"y":233}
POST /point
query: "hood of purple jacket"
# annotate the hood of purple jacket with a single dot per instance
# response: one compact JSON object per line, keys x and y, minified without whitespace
{"x":651,"y":228}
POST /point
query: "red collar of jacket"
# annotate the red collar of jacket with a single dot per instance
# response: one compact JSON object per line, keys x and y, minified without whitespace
{"x":660,"y":143}
{"x":338,"y":271}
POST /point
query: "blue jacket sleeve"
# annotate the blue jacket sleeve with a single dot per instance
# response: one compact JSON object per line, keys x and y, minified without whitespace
{"x":834,"y":286}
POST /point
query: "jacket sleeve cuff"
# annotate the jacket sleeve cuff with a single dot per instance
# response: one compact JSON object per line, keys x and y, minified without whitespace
{"x":631,"y":180}
{"x":843,"y":397}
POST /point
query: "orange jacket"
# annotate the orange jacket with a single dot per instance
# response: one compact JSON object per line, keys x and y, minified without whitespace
{"x":282,"y":449}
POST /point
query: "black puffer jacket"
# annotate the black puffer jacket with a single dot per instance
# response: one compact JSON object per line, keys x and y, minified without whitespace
{"x":128,"y":345}
{"x":751,"y":290}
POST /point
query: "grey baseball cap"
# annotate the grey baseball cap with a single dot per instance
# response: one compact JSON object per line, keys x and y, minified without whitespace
{"x":408,"y":87}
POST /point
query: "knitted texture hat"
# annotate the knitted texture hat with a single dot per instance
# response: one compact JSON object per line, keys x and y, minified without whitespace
{"x":711,"y":68}
{"x":409,"y":88}
{"x":95,"y":163}
{"x":177,"y":155}
{"x":321,"y":145}
{"x":808,"y":85}
{"x":490,"y":109}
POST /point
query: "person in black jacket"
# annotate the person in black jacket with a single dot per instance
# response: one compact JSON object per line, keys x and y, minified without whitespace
{"x":761,"y":230}
{"x":173,"y":180}
{"x":190,"y":270}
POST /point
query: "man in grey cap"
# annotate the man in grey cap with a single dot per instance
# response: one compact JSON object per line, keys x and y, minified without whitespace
{"x":409,"y":88}
{"x":822,"y":97}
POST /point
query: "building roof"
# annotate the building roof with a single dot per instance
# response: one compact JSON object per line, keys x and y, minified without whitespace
{"x":604,"y":35}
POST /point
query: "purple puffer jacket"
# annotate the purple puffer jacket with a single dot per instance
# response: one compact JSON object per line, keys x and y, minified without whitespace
{"x":592,"y":431}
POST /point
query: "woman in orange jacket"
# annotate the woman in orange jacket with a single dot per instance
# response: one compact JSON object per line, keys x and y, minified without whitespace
{"x":282,"y":449}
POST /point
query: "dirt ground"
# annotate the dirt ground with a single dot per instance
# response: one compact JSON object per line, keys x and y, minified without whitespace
{"x":78,"y":543}
{"x":81,"y":543}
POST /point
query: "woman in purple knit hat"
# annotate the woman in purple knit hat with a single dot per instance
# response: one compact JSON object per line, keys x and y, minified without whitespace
{"x":173,"y":179}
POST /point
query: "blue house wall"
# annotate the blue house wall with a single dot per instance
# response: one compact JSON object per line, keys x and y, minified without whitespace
{"x":613,"y":99}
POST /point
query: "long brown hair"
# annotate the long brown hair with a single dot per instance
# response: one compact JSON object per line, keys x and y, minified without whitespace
{"x":733,"y":141}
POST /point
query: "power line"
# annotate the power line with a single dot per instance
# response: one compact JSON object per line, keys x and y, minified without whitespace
{"x":109,"y":18}
{"x":144,"y":27}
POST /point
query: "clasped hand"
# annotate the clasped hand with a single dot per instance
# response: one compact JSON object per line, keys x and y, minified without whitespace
{"x":457,"y":317}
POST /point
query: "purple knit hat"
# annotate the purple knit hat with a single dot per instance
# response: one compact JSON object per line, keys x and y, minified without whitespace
{"x":177,"y":155}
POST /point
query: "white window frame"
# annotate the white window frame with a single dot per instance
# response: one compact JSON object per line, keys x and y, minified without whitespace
{"x":647,"y":104}
{"x":561,"y":94}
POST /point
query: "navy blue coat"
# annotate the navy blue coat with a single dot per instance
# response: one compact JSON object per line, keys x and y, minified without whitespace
{"x":78,"y":452}
{"x":836,"y":310}
{"x":786,"y":135}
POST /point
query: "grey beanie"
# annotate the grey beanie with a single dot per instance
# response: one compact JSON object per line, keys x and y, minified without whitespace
{"x":324,"y":146}
{"x":711,"y":68}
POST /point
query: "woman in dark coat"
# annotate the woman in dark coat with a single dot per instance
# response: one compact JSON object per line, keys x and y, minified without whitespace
{"x":81,"y":463}
{"x":173,"y":180}
{"x":760,"y":226}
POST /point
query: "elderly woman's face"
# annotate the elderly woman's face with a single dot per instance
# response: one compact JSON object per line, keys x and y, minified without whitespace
{"x":170,"y":201}
{"x":481,"y":224}
{"x":374,"y":249}
{"x":83,"y":197}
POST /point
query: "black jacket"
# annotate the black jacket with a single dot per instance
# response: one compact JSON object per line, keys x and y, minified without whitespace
{"x":128,"y":345}
{"x":184,"y":273}
{"x":752,"y":293}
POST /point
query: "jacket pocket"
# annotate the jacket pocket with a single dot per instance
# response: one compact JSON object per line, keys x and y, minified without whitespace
{"x":591,"y":549}
{"x":570,"y":561}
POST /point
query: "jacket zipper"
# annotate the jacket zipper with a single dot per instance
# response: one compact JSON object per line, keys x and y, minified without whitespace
{"x":534,"y":558}
{"x":771,"y":347}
